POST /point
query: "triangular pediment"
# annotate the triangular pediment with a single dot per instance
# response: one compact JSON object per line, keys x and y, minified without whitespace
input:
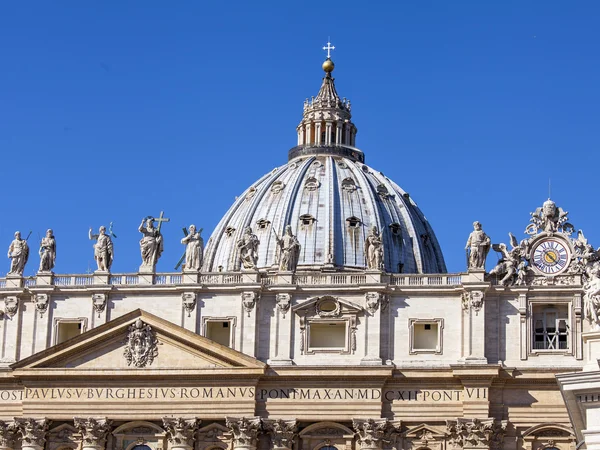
{"x":140,"y":343}
{"x":323,"y":306}
{"x":424,"y":432}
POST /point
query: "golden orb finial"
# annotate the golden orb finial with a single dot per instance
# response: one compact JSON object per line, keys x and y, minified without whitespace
{"x":328,"y":65}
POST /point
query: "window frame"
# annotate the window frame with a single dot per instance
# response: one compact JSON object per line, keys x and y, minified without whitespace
{"x":65,"y":320}
{"x":439,"y":350}
{"x":542,"y":308}
{"x":232,"y":324}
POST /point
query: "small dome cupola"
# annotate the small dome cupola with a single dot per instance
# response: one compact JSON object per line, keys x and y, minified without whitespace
{"x":326,"y":125}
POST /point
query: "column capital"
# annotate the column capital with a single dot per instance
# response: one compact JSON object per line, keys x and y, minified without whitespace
{"x":93,"y":430}
{"x":181,"y":432}
{"x":373,"y":433}
{"x":282,"y":432}
{"x":8,"y":435}
{"x":474,"y":433}
{"x":244,"y":431}
{"x":32,"y":432}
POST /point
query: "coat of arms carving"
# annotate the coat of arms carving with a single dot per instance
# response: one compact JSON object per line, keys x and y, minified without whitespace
{"x":141,"y":346}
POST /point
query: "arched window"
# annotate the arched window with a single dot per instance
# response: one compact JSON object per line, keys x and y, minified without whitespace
{"x":328,"y":447}
{"x":141,"y":447}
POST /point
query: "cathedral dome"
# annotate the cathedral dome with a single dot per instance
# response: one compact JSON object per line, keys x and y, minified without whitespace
{"x":332,"y":200}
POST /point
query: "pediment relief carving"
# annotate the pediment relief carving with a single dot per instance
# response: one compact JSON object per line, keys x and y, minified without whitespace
{"x":327,"y":306}
{"x":103,"y":348}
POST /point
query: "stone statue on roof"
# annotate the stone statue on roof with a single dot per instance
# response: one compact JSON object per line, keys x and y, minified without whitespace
{"x":47,"y":252}
{"x":478,"y":247}
{"x":248,"y":249}
{"x":18,"y":252}
{"x":103,"y":249}
{"x":374,"y":249}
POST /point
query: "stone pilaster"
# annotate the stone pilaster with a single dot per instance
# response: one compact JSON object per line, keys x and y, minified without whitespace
{"x":181,"y":432}
{"x":375,"y":304}
{"x":282,"y":433}
{"x":244,"y":431}
{"x":475,"y":434}
{"x":94,"y":432}
{"x":281,"y":346}
{"x":372,"y":434}
{"x":474,"y":327}
{"x":32,"y":432}
{"x":8,"y":435}
{"x":249,"y":322}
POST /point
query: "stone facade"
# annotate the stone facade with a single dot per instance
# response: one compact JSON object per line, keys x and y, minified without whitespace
{"x":330,"y":352}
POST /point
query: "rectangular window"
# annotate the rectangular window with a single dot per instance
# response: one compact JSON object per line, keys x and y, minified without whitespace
{"x":327,"y":335}
{"x":220,"y":330}
{"x":65,"y":329}
{"x":426,"y":335}
{"x":550,"y":329}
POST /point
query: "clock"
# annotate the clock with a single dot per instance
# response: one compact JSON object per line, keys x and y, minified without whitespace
{"x":550,"y":256}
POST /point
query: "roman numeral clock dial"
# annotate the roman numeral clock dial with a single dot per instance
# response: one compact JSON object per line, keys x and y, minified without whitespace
{"x":550,"y":257}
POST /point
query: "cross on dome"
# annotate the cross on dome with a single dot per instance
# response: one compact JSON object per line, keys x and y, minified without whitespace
{"x":329,"y":48}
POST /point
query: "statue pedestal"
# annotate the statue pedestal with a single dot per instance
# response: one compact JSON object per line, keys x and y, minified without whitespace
{"x":44,"y":279}
{"x":474,"y":276}
{"x":250,"y":276}
{"x":14,"y":280}
{"x":146,"y":275}
{"x":591,"y":350}
{"x":190,"y":276}
{"x":101,"y":277}
{"x":285,"y":277}
{"x":373,"y":276}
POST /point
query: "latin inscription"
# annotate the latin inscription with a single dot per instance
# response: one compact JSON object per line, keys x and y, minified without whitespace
{"x":240,"y":393}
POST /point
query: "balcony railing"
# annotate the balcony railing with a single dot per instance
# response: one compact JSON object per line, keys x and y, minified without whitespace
{"x":74,"y":281}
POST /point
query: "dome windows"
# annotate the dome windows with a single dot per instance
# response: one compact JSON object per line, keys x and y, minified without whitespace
{"x":229,"y":231}
{"x":348,"y":185}
{"x":306,"y":220}
{"x":382,"y":191}
{"x":353,"y":222}
{"x":311,"y":184}
{"x":396,"y":229}
{"x":277,"y":187}
{"x":263,"y":224}
{"x":251,"y":193}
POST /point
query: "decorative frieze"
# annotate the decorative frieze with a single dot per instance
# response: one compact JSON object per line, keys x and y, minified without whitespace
{"x":180,"y":432}
{"x":282,"y":432}
{"x":141,"y":346}
{"x":93,"y":432}
{"x":32,"y":432}
{"x":244,"y":431}
{"x":372,"y":434}
{"x":283,"y":303}
{"x":188,"y":300}
{"x":249,"y":300}
{"x":99,"y":302}
{"x":468,"y":433}
{"x":8,"y":435}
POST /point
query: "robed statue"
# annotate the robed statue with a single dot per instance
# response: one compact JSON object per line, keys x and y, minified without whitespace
{"x":374,"y":249}
{"x":194,"y":248}
{"x":248,"y":249}
{"x":151,"y":245}
{"x":103,"y":249}
{"x":289,"y":250}
{"x":47,"y":252}
{"x":18,"y":252}
{"x":478,"y":247}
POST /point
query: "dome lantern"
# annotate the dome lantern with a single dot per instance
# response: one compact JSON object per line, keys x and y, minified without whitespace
{"x":326,"y":125}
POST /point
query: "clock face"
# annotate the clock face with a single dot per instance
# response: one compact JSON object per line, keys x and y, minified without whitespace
{"x":550,"y":257}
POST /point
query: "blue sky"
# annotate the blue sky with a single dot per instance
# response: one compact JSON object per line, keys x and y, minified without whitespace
{"x":112,"y":111}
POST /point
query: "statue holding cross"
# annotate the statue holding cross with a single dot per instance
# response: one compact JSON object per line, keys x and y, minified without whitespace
{"x":151,"y":245}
